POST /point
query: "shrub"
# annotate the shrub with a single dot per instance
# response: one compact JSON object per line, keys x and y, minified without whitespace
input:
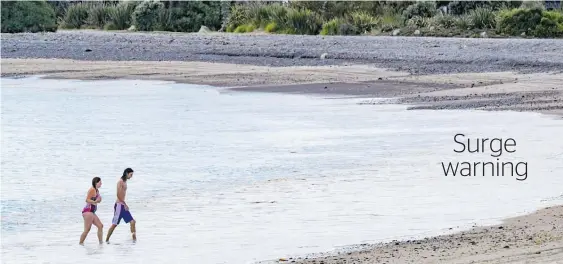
{"x":420,"y":9}
{"x":534,"y":22}
{"x":390,"y":22}
{"x":120,"y":15}
{"x":463,"y":7}
{"x":333,"y":9}
{"x":445,"y":21}
{"x":419,"y":22}
{"x":363,"y":21}
{"x":110,"y":26}
{"x":271,"y":27}
{"x":230,"y":28}
{"x":338,"y":26}
{"x":331,"y":27}
{"x":202,"y":14}
{"x":286,"y":20}
{"x":27,"y":16}
{"x":279,"y":15}
{"x":463,"y":22}
{"x":189,"y":16}
{"x":482,"y":18}
{"x":532,"y":4}
{"x":260,"y":15}
{"x":238,"y":16}
{"x":98,"y":15}
{"x":551,"y":25}
{"x":166,"y":19}
{"x":146,"y":15}
{"x":303,"y":22}
{"x":60,"y":8}
{"x":245,"y":28}
{"x":76,"y":16}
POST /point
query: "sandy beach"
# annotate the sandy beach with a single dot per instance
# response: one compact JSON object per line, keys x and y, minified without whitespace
{"x":534,"y":238}
{"x":424,"y":73}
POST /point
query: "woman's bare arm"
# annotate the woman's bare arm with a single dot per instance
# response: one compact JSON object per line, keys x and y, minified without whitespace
{"x":91,"y":193}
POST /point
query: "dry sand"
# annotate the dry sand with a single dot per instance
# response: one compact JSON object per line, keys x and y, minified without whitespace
{"x":534,"y":238}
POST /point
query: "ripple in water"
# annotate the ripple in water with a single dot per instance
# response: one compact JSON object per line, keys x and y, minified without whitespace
{"x":242,"y":177}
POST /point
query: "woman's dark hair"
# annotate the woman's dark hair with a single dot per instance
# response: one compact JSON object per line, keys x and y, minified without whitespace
{"x":125,"y":172}
{"x":95,"y":180}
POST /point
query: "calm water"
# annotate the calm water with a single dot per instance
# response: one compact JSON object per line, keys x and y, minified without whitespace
{"x":241,"y":177}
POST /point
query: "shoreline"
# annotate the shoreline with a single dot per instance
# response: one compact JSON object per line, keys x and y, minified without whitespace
{"x":438,"y":82}
{"x":533,"y":236}
{"x":492,"y":91}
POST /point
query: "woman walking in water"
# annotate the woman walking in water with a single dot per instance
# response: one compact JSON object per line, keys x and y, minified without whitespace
{"x":89,"y":211}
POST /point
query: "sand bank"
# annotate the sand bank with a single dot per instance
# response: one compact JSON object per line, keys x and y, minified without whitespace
{"x":216,"y":74}
{"x":539,"y":92}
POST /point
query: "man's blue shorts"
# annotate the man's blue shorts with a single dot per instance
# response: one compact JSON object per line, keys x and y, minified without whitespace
{"x":119,"y":213}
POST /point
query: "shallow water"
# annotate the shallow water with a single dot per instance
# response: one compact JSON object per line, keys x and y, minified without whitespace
{"x":223,"y":177}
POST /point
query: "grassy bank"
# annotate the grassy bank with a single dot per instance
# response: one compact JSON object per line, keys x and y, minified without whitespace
{"x":409,"y":18}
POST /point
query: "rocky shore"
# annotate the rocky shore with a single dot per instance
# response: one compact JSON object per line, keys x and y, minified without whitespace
{"x":416,"y":55}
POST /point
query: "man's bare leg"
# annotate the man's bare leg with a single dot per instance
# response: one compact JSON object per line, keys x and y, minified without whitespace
{"x":133,"y":230}
{"x":110,"y":231}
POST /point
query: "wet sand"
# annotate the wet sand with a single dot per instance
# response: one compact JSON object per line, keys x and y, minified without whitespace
{"x":534,"y":238}
{"x":537,"y":92}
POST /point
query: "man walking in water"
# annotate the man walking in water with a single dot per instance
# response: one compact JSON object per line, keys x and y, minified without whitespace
{"x":120,"y":209}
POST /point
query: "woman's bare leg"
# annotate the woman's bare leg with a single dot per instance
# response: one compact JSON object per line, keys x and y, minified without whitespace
{"x":88,"y":219}
{"x":100,"y":227}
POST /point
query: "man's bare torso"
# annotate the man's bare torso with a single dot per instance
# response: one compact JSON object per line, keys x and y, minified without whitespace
{"x":123,"y":186}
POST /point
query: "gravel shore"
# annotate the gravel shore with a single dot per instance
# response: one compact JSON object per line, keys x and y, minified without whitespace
{"x":416,"y":55}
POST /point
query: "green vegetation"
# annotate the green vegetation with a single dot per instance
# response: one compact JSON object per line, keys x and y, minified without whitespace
{"x":535,"y":22}
{"x":27,"y":16}
{"x":149,"y":15}
{"x":245,"y":28}
{"x":120,"y":16}
{"x":425,"y":18}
